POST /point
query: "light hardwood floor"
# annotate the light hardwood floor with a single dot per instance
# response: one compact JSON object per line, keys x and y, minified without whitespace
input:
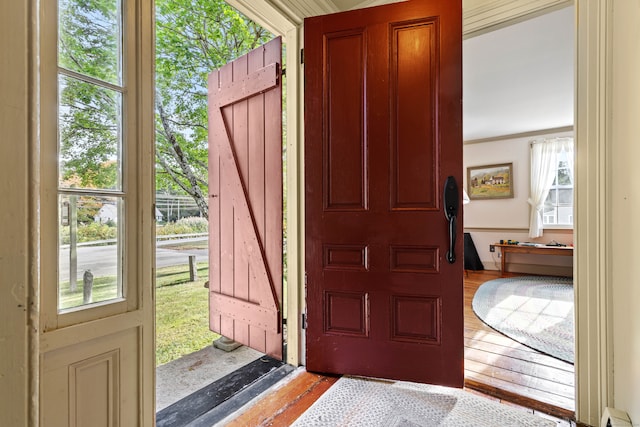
{"x":502,"y":367}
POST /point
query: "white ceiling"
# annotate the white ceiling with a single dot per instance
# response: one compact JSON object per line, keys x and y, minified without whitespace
{"x":519,"y":78}
{"x":515,"y":79}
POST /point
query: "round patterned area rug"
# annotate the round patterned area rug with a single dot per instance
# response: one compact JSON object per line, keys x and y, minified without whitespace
{"x":536,"y":311}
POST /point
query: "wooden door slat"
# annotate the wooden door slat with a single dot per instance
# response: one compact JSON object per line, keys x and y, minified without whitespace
{"x":245,"y":311}
{"x":253,"y":84}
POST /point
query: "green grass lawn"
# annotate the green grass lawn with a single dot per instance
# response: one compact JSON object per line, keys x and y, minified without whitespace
{"x":104,"y":289}
{"x":182,"y":313}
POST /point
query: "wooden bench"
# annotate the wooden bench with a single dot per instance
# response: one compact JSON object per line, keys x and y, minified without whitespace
{"x":537,"y":250}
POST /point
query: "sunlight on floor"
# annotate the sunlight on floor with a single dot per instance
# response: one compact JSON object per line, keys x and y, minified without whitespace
{"x":540,"y":311}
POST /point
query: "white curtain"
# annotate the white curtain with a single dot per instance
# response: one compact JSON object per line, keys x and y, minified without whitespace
{"x":544,"y":160}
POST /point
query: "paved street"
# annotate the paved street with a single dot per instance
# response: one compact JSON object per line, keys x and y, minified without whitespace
{"x":101,"y":260}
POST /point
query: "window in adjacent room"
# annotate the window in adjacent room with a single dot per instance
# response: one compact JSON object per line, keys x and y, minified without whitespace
{"x":558,"y":206}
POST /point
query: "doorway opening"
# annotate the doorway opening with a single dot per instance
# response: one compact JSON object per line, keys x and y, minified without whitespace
{"x":518,"y":91}
{"x":493,"y":240}
{"x":192,"y":40}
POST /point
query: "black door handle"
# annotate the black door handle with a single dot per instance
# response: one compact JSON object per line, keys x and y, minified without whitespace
{"x":451,"y":202}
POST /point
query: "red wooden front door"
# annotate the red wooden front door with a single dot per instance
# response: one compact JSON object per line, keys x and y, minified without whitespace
{"x":383,"y":131}
{"x":245,"y":199}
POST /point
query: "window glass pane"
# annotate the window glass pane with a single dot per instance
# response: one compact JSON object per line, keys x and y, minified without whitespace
{"x":89,"y":250}
{"x":89,"y":38}
{"x":549,"y":215}
{"x":564,"y":178}
{"x":565,"y":197}
{"x":549,"y":203}
{"x":565,"y":215}
{"x":89,"y":134}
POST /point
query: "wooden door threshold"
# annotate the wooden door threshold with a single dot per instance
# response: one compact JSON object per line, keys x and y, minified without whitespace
{"x":224,"y":396}
{"x":510,"y":397}
{"x":285,"y":404}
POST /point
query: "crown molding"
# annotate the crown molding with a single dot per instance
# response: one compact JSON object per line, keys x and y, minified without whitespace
{"x":529,"y":134}
{"x":484,"y":16}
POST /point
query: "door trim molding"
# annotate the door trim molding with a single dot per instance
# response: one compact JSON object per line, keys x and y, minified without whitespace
{"x":295,"y":197}
{"x":289,"y":27}
{"x":593,"y":263}
{"x":33,"y":194}
{"x":19,"y":364}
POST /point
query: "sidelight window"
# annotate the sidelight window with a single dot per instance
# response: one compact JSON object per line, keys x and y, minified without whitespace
{"x":90,"y":183}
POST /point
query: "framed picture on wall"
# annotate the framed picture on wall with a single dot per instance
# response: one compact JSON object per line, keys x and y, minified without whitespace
{"x":490,"y":181}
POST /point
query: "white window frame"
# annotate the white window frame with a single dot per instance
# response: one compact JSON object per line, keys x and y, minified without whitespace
{"x":131,"y":135}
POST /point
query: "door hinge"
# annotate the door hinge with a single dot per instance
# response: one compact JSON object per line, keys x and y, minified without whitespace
{"x":302,"y":56}
{"x":304,"y":321}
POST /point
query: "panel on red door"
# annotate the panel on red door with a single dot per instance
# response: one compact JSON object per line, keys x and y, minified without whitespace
{"x":383,"y":131}
{"x":245,"y":199}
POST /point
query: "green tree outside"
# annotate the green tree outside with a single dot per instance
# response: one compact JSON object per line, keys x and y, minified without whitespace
{"x":193,"y":37}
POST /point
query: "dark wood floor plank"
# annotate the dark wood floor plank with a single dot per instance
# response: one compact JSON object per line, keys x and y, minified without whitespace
{"x":530,"y":382}
{"x":297,"y":408}
{"x":284,"y":405}
{"x":526,"y":396}
{"x":503,"y":396}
